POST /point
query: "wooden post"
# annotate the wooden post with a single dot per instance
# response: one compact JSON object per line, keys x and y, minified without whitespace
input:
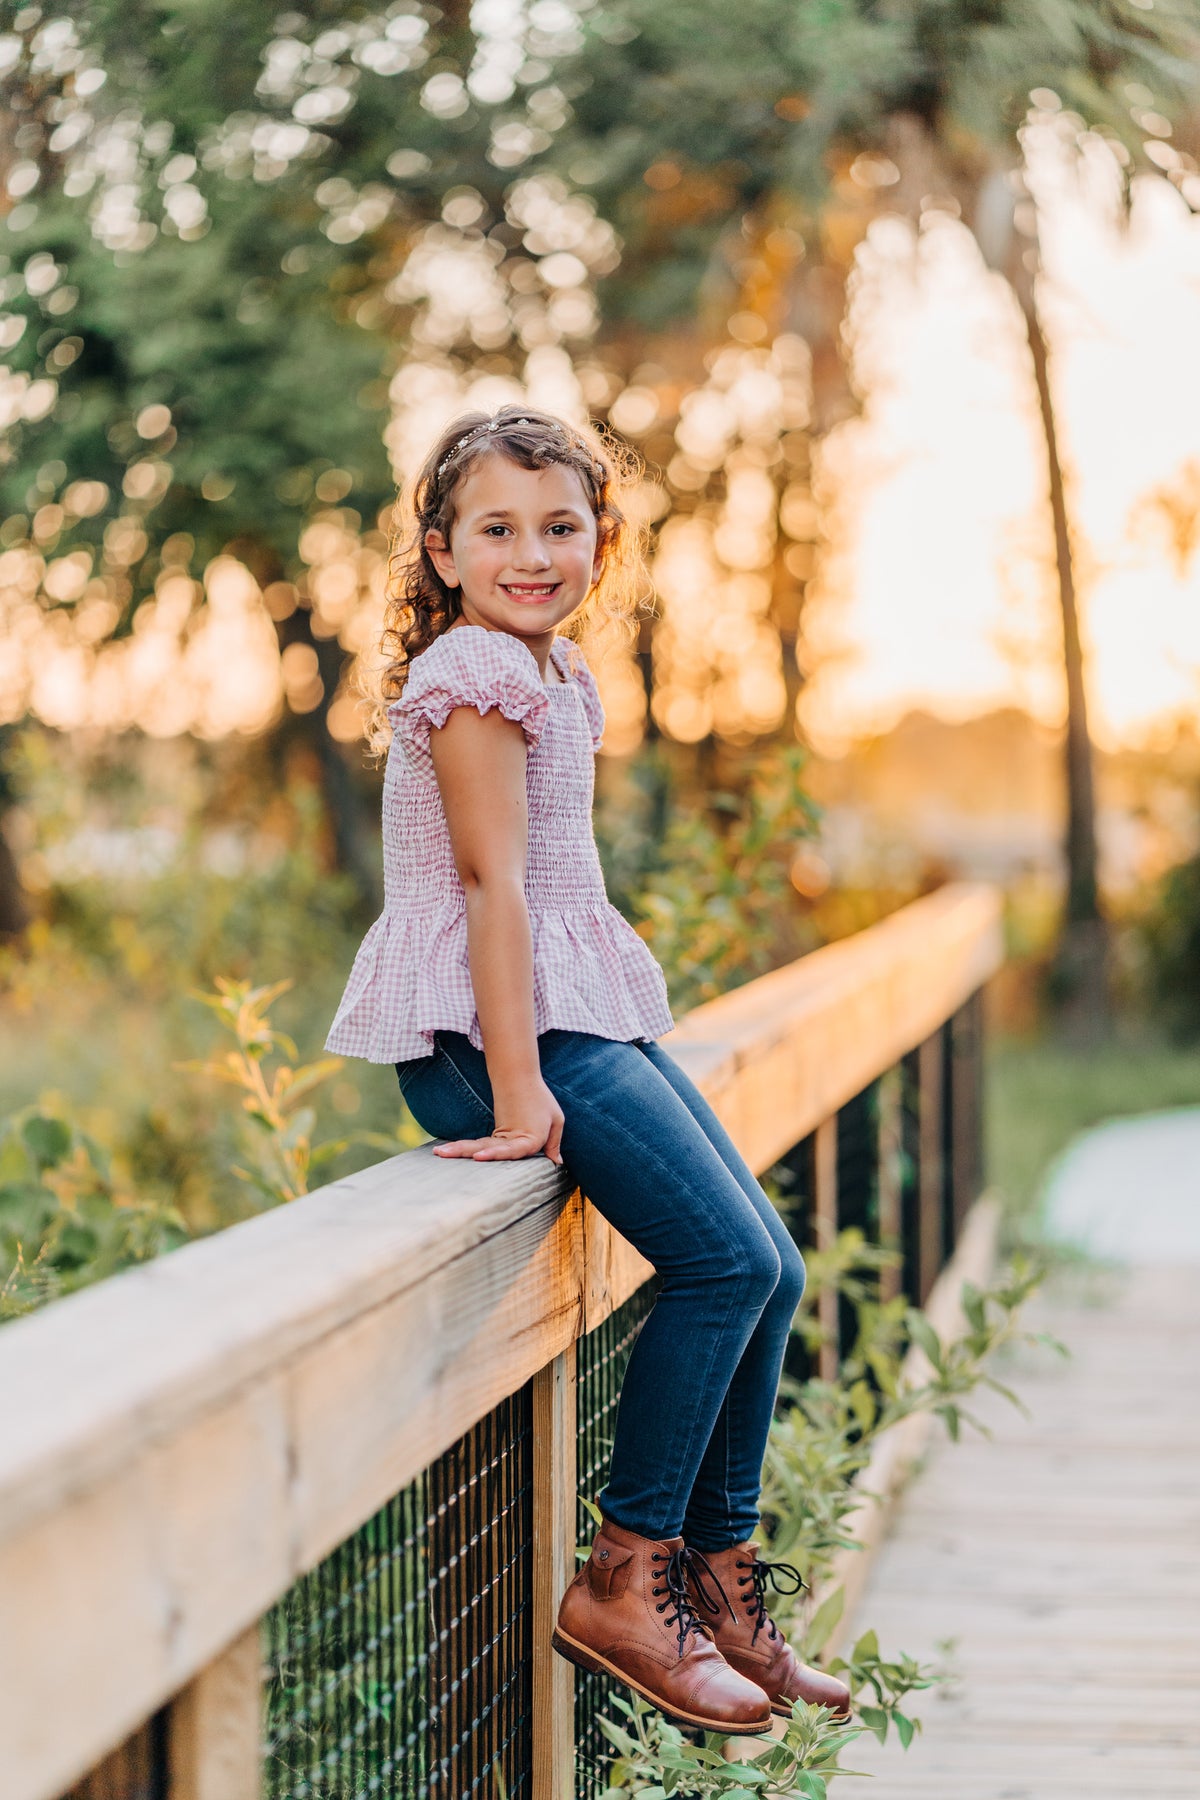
{"x":825,"y":1224}
{"x":890,"y":1151}
{"x":965,"y":1102}
{"x":215,"y":1732}
{"x":930,"y":1227}
{"x":553,"y":1566}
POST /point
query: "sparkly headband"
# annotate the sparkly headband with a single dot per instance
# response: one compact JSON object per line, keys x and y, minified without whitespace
{"x":480,"y":431}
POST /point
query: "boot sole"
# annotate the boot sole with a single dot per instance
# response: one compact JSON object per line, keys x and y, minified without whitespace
{"x":599,"y":1665}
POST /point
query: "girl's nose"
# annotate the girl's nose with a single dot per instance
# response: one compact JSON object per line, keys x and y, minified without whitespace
{"x":530,"y":553}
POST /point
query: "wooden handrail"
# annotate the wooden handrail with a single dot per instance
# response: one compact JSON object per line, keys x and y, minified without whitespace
{"x":178,"y":1444}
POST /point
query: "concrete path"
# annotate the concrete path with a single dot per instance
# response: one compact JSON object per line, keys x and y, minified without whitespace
{"x":1061,"y":1560}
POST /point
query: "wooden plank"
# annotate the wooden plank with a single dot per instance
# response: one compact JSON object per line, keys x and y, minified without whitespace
{"x":216,"y":1728}
{"x":899,"y":1450}
{"x":930,"y":1225}
{"x":818,"y":1031}
{"x":825,"y":1226}
{"x":554,"y":1564}
{"x":1061,"y":1562}
{"x":890,"y":1153}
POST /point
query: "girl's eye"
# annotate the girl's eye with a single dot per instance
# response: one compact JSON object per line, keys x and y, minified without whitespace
{"x":491,"y":529}
{"x":563,"y":526}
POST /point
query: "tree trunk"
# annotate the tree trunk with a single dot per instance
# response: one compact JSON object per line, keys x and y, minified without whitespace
{"x":1080,"y":971}
{"x":14,"y":909}
{"x":355,"y":839}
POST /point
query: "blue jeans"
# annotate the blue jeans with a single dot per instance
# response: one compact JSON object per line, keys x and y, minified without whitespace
{"x":650,"y":1154}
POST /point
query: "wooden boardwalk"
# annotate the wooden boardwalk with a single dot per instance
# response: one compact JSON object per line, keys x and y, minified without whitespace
{"x":1062,"y":1558}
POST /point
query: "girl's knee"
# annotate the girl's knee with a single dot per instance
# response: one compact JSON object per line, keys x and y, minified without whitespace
{"x":792,"y":1278}
{"x":758,"y":1269}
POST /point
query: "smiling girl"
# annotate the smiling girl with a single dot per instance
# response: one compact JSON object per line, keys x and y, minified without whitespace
{"x":522,"y":1013}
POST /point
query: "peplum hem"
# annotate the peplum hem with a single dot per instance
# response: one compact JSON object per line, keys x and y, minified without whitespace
{"x":411,"y":978}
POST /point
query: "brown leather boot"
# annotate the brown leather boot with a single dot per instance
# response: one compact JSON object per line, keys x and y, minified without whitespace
{"x":627,"y":1614}
{"x":748,"y":1637}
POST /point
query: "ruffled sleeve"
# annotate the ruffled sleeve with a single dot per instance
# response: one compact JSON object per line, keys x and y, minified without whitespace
{"x":589,"y":693}
{"x":468,"y":666}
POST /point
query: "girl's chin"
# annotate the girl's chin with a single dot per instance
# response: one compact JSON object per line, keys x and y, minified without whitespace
{"x":534,"y":599}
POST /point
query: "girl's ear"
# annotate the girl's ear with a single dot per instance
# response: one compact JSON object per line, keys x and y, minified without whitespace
{"x":441,"y":556}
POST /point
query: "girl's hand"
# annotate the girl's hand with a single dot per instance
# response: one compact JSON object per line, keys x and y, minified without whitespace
{"x":529,"y":1124}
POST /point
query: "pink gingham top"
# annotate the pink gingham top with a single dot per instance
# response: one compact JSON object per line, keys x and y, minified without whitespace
{"x":411,"y":977}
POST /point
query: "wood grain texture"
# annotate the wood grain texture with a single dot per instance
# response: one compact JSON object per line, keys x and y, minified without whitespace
{"x":1060,"y":1558}
{"x":216,"y":1728}
{"x":899,"y":1450}
{"x":930,"y":1082}
{"x":782,"y":1053}
{"x":825,"y":1227}
{"x":891,"y":1176}
{"x":554,"y":1564}
{"x":178,"y":1444}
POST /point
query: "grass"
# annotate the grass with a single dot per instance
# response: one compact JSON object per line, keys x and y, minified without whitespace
{"x":1042,"y":1094}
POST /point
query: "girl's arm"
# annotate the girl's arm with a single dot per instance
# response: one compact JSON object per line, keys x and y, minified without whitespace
{"x":479,"y":761}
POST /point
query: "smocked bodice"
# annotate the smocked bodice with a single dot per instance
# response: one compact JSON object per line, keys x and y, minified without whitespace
{"x":411,"y":977}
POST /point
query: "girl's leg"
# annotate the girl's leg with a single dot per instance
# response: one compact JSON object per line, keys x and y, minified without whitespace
{"x":644,"y":1161}
{"x":723,"y":1507}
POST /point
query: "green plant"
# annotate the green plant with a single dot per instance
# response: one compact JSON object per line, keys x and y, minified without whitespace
{"x":1170,"y":937}
{"x":655,"y":1759}
{"x":65,"y":1217}
{"x":283,"y":1155}
{"x":820,"y":1444}
{"x":720,"y":908}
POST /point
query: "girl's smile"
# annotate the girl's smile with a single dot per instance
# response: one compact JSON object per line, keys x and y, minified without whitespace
{"x":523,"y":549}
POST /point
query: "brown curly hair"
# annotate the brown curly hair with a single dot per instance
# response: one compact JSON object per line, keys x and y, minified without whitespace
{"x":420,"y":607}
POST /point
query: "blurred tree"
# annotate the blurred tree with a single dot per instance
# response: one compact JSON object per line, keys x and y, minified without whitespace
{"x":201,"y":231}
{"x":697,"y":126}
{"x":229,"y":230}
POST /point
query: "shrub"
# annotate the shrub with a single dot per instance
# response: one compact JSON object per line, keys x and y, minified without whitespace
{"x":1170,"y":935}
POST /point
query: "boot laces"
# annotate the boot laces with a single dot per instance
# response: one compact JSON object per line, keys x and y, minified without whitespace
{"x":761,"y":1576}
{"x":675,"y":1594}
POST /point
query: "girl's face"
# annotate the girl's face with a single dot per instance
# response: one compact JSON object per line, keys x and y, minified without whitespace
{"x":523,"y":547}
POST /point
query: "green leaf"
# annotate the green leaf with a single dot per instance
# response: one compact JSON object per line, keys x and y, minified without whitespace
{"x":47,"y":1140}
{"x":824,"y":1622}
{"x":952,"y":1419}
{"x":866,"y":1649}
{"x":905,"y":1728}
{"x":620,"y":1740}
{"x":876,"y":1720}
{"x":924,"y":1336}
{"x":972,"y":1303}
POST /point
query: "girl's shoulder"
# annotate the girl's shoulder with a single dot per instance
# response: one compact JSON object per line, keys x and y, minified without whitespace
{"x":469,"y":666}
{"x":472,"y":649}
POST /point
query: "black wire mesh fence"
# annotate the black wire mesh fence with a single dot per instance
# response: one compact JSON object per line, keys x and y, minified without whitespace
{"x":400,"y":1666}
{"x":603,"y":1355}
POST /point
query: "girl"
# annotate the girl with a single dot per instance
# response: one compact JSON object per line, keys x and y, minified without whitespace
{"x":522,"y":1013}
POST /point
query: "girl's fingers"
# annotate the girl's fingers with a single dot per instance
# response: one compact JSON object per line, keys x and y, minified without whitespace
{"x":504,"y":1149}
{"x":490,"y":1149}
{"x":508,"y":1149}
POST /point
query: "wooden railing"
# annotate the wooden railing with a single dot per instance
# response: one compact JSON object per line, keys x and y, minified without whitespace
{"x":180,"y":1444}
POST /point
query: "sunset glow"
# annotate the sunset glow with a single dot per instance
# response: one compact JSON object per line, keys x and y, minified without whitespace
{"x":938,"y":590}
